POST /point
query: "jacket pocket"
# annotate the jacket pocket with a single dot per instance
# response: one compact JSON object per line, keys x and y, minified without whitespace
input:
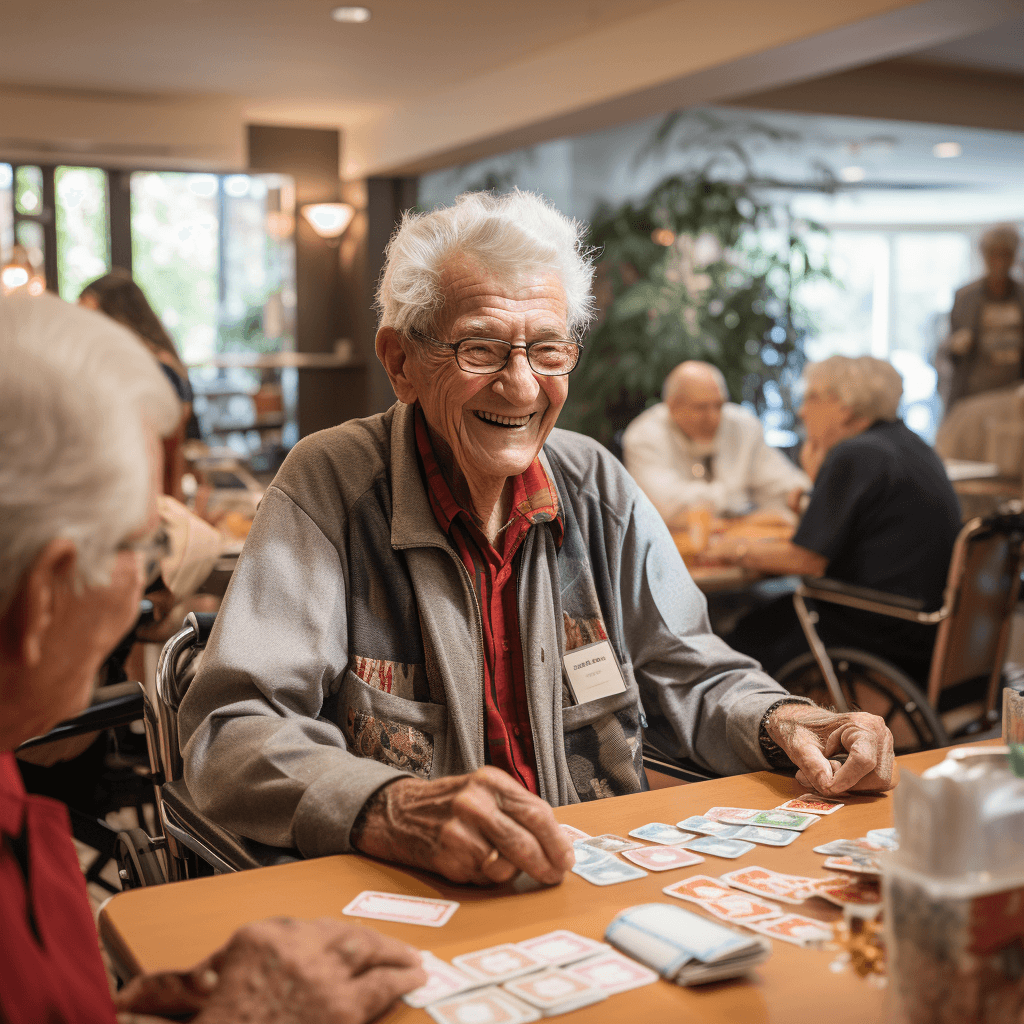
{"x":603,"y":746}
{"x":393,"y":730}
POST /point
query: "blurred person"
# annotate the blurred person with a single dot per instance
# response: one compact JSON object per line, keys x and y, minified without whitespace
{"x":416,"y":681}
{"x":117,"y":295}
{"x":81,"y":406}
{"x":695,"y":447}
{"x":882,"y":514}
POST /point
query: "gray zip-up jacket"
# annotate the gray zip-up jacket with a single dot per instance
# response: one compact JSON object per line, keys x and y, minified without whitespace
{"x":348,"y":651}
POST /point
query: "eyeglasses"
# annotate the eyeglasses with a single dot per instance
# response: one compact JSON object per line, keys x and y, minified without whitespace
{"x":549,"y":358}
{"x":151,"y":550}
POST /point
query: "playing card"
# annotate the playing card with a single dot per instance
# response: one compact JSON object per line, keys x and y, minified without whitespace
{"x":801,"y":931}
{"x":698,"y":889}
{"x":848,"y":848}
{"x":389,"y":906}
{"x":662,"y":858}
{"x":659,"y":832}
{"x":587,"y":855}
{"x":719,"y":847}
{"x":608,"y":843}
{"x":612,"y":972}
{"x":765,"y":882}
{"x":608,"y":872}
{"x":741,"y":908}
{"x":887,"y":838}
{"x":698,"y":823}
{"x":484,"y":1006}
{"x":562,"y":947}
{"x":766,"y":836}
{"x":498,"y":963}
{"x":853,"y":892}
{"x":812,"y":804}
{"x":862,"y":865}
{"x":784,"y":819}
{"x":732,"y":815}
{"x":442,"y":980}
{"x":554,"y":990}
{"x":575,"y":833}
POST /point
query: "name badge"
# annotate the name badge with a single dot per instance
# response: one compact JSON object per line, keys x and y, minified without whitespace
{"x":593,"y":672}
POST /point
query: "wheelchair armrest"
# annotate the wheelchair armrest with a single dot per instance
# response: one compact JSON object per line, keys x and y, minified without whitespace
{"x":106,"y":714}
{"x":823,"y":589}
{"x":204,"y":837}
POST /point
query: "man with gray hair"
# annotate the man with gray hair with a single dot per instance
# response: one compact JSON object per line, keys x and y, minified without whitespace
{"x":695,"y":447}
{"x":82,"y":405}
{"x":450,"y":616}
{"x":882,"y":514}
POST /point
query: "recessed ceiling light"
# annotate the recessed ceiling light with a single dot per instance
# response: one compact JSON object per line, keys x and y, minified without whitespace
{"x":351,"y":14}
{"x":947,"y":150}
{"x":852,"y":173}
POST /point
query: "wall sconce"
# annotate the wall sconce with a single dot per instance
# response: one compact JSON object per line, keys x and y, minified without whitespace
{"x":329,"y":220}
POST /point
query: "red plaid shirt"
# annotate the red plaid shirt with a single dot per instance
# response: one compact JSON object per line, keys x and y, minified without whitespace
{"x":534,"y":500}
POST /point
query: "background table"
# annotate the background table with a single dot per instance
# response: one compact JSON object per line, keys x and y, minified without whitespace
{"x":169,"y":927}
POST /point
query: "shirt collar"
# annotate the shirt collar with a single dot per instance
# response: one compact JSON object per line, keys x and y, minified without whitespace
{"x":534,"y":496}
{"x":12,"y":797}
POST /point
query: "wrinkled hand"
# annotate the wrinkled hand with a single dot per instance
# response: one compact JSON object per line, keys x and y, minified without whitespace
{"x":810,"y":736}
{"x":151,"y":997}
{"x":452,"y":825}
{"x":284,"y":971}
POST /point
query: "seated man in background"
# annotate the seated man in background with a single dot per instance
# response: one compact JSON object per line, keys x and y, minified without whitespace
{"x":882,"y":514}
{"x":450,"y":616}
{"x":695,"y":447}
{"x":82,"y":405}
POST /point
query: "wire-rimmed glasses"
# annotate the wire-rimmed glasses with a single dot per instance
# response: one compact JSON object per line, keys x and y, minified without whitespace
{"x":552,"y":357}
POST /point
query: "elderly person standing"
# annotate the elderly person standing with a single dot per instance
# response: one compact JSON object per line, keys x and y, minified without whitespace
{"x":695,"y":447}
{"x":882,"y":514}
{"x":81,"y":407}
{"x":451,"y":616}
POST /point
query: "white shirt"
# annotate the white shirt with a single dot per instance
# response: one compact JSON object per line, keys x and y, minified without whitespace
{"x":746,"y":472}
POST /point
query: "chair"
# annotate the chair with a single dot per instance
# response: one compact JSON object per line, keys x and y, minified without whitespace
{"x":964,"y":680}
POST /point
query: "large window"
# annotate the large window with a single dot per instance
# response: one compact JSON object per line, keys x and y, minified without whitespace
{"x":83,"y":235}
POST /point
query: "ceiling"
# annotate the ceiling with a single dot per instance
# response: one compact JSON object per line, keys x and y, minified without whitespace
{"x":287,"y":58}
{"x":997,"y":49}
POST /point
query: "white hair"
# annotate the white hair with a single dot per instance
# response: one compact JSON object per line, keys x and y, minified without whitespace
{"x":76,"y":393}
{"x":870,"y":387}
{"x":506,"y":235}
{"x":676,"y":378}
{"x":1000,"y":236}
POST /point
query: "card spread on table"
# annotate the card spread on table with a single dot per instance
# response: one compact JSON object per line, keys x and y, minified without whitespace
{"x":732,"y":815}
{"x":811,"y":804}
{"x":484,"y":1006}
{"x":612,"y":972}
{"x":608,"y":872}
{"x":574,"y":833}
{"x":608,"y":843}
{"x":659,"y":832}
{"x":587,"y":855}
{"x":784,"y":819}
{"x":662,"y":858}
{"x":561,"y":947}
{"x":859,"y":865}
{"x":707,"y":826}
{"x":554,"y":990}
{"x":698,"y":889}
{"x":715,"y":846}
{"x":849,"y":847}
{"x":442,"y":980}
{"x":765,"y":882}
{"x":498,"y":963}
{"x":390,"y":906}
{"x":766,"y":836}
{"x":887,"y":838}
{"x":741,"y":908}
{"x":801,"y":931}
{"x":852,"y":892}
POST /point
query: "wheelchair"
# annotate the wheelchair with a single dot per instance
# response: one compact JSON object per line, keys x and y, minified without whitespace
{"x":965,"y":678}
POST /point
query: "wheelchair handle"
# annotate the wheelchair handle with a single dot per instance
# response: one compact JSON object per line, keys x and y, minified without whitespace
{"x":202,"y":623}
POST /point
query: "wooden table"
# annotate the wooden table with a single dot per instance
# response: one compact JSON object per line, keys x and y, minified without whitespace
{"x":170,"y":927}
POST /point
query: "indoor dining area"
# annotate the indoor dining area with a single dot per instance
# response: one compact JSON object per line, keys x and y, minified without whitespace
{"x":512,"y":512}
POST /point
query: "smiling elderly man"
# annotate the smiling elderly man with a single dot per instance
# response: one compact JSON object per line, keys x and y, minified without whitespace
{"x":451,"y":616}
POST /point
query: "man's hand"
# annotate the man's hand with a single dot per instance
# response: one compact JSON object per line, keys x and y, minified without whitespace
{"x":283,"y":971}
{"x":482,"y":828}
{"x":810,"y":736}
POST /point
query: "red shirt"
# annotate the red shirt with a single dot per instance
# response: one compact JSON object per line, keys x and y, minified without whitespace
{"x":50,"y":966}
{"x":534,"y":501}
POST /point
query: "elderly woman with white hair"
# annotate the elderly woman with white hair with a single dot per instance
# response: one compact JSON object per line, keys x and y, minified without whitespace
{"x":882,"y":514}
{"x":451,"y":616}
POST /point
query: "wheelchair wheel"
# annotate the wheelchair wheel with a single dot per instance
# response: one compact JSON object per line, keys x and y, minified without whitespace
{"x":137,"y":860}
{"x":874,"y":685}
